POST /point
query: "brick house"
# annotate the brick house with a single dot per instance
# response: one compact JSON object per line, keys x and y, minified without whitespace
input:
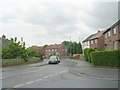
{"x":95,"y":41}
{"x":86,"y":42}
{"x":59,"y":49}
{"x":112,"y":37}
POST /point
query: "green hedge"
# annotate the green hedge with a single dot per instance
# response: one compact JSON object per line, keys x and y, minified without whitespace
{"x":106,"y":58}
{"x":87,"y":55}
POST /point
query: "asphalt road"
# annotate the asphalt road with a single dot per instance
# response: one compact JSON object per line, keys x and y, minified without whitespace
{"x":67,"y":74}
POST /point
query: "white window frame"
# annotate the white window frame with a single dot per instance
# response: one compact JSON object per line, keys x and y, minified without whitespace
{"x":108,"y":33}
{"x":52,"y":49}
{"x":91,"y":41}
{"x":105,"y":35}
{"x":96,"y":41}
{"x":114,"y":31}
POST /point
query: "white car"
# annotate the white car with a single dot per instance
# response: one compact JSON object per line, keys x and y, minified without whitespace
{"x":54,"y":60}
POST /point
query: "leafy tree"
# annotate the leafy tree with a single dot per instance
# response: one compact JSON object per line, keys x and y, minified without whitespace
{"x":79,"y":48}
{"x":73,"y":47}
{"x":14,"y":49}
{"x":33,"y":52}
{"x":45,"y":46}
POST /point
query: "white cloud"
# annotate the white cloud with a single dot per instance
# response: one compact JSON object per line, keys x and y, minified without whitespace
{"x":42,"y":22}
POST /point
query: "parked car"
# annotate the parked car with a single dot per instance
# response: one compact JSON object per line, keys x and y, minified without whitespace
{"x":54,"y":60}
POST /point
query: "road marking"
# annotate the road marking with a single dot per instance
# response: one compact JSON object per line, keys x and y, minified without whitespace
{"x":19,"y":85}
{"x":29,"y":82}
{"x":39,"y":79}
{"x":56,"y":73}
{"x":51,"y":75}
{"x":46,"y":77}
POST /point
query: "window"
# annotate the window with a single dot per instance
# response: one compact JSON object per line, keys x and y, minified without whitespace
{"x":87,"y":43}
{"x":95,"y":40}
{"x":65,"y":49}
{"x":109,"y":34}
{"x":55,"y":49}
{"x":92,"y":42}
{"x":115,"y":45}
{"x":114,"y":31}
{"x":52,"y":49}
{"x":105,"y":35}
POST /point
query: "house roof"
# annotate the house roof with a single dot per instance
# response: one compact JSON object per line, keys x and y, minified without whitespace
{"x":115,"y":24}
{"x":55,"y":46}
{"x":88,"y":38}
{"x":97,"y":35}
{"x":94,"y":36}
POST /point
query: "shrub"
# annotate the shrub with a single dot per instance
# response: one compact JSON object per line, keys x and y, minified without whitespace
{"x":87,"y":55}
{"x":89,"y":51}
{"x":106,"y":58}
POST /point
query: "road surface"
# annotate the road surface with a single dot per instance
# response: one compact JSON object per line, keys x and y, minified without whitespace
{"x":67,"y":74}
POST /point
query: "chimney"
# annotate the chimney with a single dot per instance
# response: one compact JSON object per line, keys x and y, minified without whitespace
{"x":3,"y":36}
{"x":98,"y":31}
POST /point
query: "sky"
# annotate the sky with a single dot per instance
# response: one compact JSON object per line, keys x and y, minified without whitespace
{"x":42,"y":22}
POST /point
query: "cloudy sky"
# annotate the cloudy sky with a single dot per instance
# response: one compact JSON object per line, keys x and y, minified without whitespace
{"x":42,"y":22}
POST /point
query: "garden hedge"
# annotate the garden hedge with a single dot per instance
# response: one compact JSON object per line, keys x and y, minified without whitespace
{"x":87,"y":55}
{"x":106,"y":58}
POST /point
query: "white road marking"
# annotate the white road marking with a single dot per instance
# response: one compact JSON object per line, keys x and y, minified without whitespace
{"x":29,"y":82}
{"x":51,"y":75}
{"x":46,"y":77}
{"x":56,"y":73}
{"x":19,"y":85}
{"x":39,"y":79}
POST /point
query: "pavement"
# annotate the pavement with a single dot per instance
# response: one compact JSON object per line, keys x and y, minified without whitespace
{"x":86,"y":69}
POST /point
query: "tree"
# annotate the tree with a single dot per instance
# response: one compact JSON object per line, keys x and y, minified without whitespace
{"x":79,"y":50}
{"x":14,"y":49}
{"x":73,"y":47}
{"x":45,"y":46}
{"x":33,"y":52}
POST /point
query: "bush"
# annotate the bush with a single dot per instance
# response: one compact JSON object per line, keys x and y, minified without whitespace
{"x":106,"y":58}
{"x":89,"y":51}
{"x":87,"y":55}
